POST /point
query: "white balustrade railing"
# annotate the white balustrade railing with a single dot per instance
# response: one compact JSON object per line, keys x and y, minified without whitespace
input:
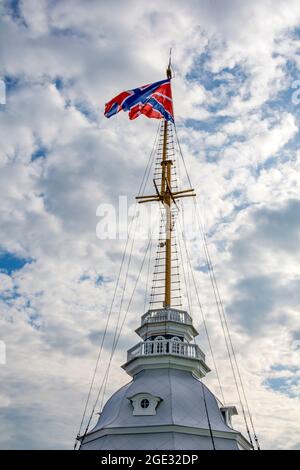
{"x":158,"y":347}
{"x":179,"y":316}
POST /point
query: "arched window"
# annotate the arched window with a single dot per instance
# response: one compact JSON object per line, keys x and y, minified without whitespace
{"x":148,"y":347}
{"x":160,"y":346}
{"x":175,"y":345}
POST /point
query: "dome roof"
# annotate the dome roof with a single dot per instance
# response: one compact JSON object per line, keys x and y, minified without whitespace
{"x":182,"y":402}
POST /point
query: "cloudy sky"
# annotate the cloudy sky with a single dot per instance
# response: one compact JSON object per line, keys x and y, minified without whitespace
{"x":237,"y":112}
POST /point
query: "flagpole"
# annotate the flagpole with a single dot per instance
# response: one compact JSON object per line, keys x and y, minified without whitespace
{"x":166,"y":189}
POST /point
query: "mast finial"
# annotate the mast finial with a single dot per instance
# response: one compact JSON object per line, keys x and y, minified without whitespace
{"x":169,"y":69}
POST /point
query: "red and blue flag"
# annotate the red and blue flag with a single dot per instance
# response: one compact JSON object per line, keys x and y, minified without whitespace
{"x":154,"y":101}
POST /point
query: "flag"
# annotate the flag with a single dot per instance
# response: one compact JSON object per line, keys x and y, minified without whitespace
{"x":154,"y":101}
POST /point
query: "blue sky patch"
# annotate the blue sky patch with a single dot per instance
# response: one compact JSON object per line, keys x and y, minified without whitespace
{"x":209,"y":125}
{"x":40,"y":152}
{"x":35,"y":320}
{"x":11,"y":83}
{"x":10,"y":262}
{"x":58,"y":82}
{"x":9,"y":296}
{"x":14,"y":8}
{"x":282,"y":384}
{"x":98,"y":280}
{"x":203,"y":268}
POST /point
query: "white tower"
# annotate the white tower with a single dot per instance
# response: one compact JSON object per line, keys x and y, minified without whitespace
{"x":166,"y":405}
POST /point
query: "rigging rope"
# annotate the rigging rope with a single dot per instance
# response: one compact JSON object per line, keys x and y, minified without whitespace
{"x":185,"y":279}
{"x":148,"y":276}
{"x":222,"y":316}
{"x":122,"y":300}
{"x":225,"y":330}
{"x":105,"y":379}
{"x":142,"y":188}
{"x":149,"y":164}
{"x":203,"y":318}
{"x":116,"y":328}
{"x":105,"y":329}
{"x":210,"y":347}
{"x":207,"y":416}
{"x":230,"y":340}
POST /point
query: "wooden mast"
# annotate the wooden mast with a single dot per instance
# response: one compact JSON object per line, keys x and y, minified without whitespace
{"x":167,"y":197}
{"x":166,"y":189}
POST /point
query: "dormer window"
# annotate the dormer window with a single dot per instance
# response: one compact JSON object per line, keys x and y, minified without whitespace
{"x":227,"y":413}
{"x":144,"y":404}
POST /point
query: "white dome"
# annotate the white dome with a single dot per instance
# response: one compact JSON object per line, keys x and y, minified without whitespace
{"x":182,"y":408}
{"x":182,"y":404}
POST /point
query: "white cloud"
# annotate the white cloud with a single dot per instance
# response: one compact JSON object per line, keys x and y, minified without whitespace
{"x":68,"y":62}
